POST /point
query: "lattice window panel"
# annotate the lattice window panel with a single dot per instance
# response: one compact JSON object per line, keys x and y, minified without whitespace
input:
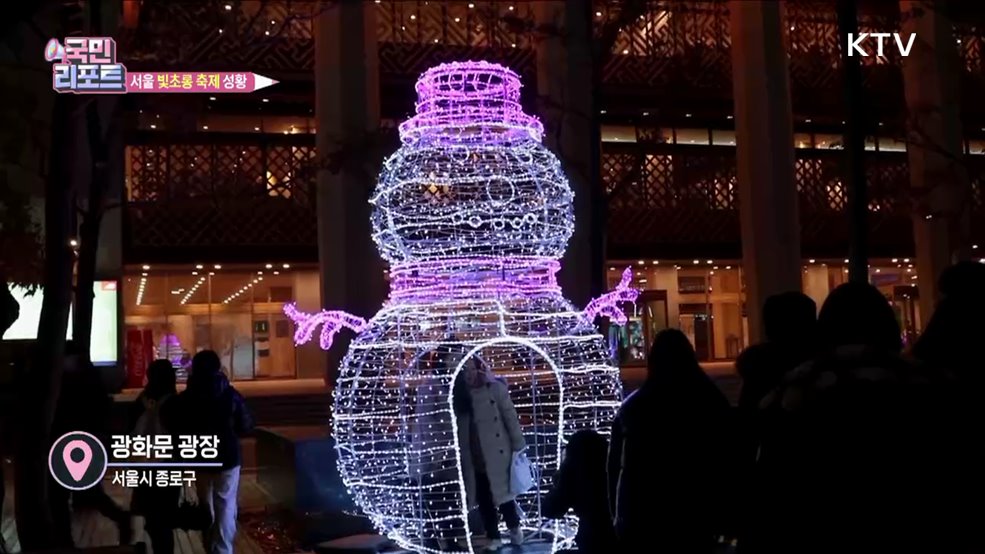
{"x":240,"y":170}
{"x":888,"y":180}
{"x":230,"y":195}
{"x":685,"y":197}
{"x":707,"y":179}
{"x":970,"y":47}
{"x":638,"y":180}
{"x":264,"y":36}
{"x":286,"y":172}
{"x":819,"y":183}
{"x":147,"y":178}
{"x":673,"y":42}
{"x":190,"y":171}
{"x":616,"y":171}
{"x":814,"y":45}
{"x":486,"y":24}
{"x":655,"y":188}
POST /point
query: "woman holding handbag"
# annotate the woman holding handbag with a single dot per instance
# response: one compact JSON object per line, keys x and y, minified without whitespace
{"x":489,"y":435}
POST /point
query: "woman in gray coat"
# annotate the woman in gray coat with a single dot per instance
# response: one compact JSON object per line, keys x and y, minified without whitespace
{"x":488,"y":435}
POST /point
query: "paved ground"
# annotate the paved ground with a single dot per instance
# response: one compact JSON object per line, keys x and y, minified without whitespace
{"x":89,"y":529}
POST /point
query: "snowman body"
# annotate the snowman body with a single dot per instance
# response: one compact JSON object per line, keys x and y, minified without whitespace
{"x":473,"y":214}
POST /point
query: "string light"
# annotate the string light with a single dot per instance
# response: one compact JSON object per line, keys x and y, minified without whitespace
{"x":473,"y":214}
{"x":141,"y":287}
{"x":243,"y":290}
{"x":191,"y":291}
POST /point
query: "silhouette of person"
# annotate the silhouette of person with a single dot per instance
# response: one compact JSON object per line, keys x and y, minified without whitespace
{"x":158,"y":505}
{"x":860,"y":452}
{"x":211,"y":406}
{"x":789,"y":321}
{"x":670,"y":443}
{"x":84,"y":405}
{"x":580,"y":486}
{"x":790,"y":325}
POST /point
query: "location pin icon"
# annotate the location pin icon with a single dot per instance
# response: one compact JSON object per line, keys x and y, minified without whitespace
{"x":77,"y":469}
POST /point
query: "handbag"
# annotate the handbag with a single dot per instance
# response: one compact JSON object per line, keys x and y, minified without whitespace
{"x":523,"y":475}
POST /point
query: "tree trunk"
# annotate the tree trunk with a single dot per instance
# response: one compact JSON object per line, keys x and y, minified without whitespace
{"x":89,"y":229}
{"x":855,"y":128}
{"x":9,"y":308}
{"x":43,"y":378}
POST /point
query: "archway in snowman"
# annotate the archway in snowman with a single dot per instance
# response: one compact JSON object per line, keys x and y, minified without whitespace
{"x":435,"y":513}
{"x":534,"y":384}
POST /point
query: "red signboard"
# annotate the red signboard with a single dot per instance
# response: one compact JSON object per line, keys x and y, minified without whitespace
{"x":139,"y":354}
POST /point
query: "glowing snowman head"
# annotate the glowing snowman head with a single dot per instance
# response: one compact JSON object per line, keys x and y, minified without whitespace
{"x":472,"y":178}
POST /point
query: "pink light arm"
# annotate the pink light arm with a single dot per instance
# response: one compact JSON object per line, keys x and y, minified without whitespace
{"x":332,"y":321}
{"x":607,"y":305}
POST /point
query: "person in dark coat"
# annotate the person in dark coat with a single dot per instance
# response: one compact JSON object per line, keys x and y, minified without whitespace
{"x":789,"y":322}
{"x":861,"y":451}
{"x":581,"y":487}
{"x":950,"y":338}
{"x":669,"y":449}
{"x":210,"y":406}
{"x":84,"y":405}
{"x":963,"y":280}
{"x":158,"y":505}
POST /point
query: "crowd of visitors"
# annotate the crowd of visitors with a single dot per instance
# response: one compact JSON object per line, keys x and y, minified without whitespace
{"x":841,"y":441}
{"x":208,"y":406}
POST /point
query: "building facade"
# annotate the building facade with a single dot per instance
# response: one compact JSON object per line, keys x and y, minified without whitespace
{"x":221,"y":225}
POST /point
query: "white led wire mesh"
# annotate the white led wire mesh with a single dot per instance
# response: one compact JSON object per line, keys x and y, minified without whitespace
{"x":473,"y":214}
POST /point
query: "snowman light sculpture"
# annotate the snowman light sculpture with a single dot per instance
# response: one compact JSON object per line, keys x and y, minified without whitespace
{"x":473,"y":214}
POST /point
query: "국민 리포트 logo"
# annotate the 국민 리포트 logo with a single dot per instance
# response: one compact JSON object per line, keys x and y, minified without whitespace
{"x":88,"y":65}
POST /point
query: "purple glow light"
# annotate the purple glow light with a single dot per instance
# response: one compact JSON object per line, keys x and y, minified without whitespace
{"x":469,"y":102}
{"x":331,"y":321}
{"x":607,"y":305}
{"x":473,"y":278}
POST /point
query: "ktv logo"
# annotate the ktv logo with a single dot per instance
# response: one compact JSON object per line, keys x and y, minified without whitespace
{"x":855,"y":43}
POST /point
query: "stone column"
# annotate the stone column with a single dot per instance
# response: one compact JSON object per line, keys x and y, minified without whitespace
{"x":816,"y":283}
{"x":931,"y":76}
{"x":764,"y":147}
{"x":567,"y":108}
{"x":347,"y":108}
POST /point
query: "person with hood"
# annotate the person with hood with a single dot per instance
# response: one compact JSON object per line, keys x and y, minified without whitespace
{"x":668,"y":452}
{"x":860,"y":450}
{"x":158,"y":505}
{"x":489,"y":434}
{"x":210,"y":406}
{"x":581,"y":487}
